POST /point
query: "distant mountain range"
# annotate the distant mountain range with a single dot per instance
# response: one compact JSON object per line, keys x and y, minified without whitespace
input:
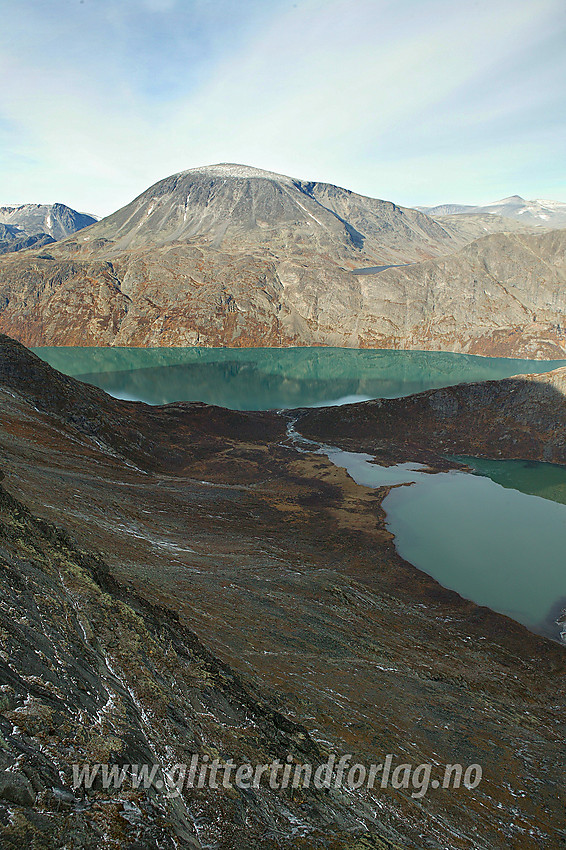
{"x":229,"y":255}
{"x":34,"y":225}
{"x":532,"y":213}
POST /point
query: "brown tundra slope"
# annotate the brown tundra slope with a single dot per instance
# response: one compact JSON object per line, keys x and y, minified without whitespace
{"x":233,"y":256}
{"x":519,"y":417}
{"x":182,"y":580}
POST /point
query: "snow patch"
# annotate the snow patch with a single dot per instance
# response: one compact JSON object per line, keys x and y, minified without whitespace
{"x":231,"y":169}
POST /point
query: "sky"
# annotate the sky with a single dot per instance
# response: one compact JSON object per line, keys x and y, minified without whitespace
{"x":416,"y":101}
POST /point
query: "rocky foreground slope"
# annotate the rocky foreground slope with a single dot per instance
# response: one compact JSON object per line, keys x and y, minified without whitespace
{"x":182,"y":580}
{"x":234,"y":256}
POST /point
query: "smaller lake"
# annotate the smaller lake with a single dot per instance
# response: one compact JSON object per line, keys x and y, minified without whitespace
{"x":497,"y":537}
{"x":267,"y":378}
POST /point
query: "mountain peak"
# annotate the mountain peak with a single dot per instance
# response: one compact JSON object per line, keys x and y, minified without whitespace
{"x":48,"y":221}
{"x":231,"y":206}
{"x":516,"y":199}
{"x":234,"y":169}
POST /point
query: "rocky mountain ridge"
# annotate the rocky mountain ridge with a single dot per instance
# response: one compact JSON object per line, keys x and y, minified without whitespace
{"x":35,"y":225}
{"x":238,"y":208}
{"x":232,"y":256}
{"x":13,"y":238}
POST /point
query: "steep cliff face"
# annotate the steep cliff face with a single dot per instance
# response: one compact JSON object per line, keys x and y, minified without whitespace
{"x":229,"y":255}
{"x":502,"y":295}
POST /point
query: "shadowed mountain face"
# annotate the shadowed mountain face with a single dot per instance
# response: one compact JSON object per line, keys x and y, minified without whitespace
{"x":13,"y":238}
{"x":234,"y":256}
{"x":182,"y":580}
{"x":55,"y":220}
{"x":36,"y":225}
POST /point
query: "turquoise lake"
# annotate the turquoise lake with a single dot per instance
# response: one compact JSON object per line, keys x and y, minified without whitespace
{"x":497,"y":535}
{"x":266,"y":378}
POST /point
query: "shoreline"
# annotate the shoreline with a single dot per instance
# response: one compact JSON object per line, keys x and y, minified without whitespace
{"x":284,"y":570}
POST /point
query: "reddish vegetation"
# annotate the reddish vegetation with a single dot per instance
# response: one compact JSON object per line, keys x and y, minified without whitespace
{"x":209,"y":522}
{"x":207,"y":258}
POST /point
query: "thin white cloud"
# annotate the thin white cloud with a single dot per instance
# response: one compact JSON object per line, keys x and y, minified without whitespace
{"x":404,"y":100}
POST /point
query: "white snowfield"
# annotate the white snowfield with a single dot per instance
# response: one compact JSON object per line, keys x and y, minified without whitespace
{"x":538,"y":207}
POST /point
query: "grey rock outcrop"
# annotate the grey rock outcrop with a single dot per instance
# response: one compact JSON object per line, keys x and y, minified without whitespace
{"x":14,"y":239}
{"x":55,"y":220}
{"x":233,"y":256}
